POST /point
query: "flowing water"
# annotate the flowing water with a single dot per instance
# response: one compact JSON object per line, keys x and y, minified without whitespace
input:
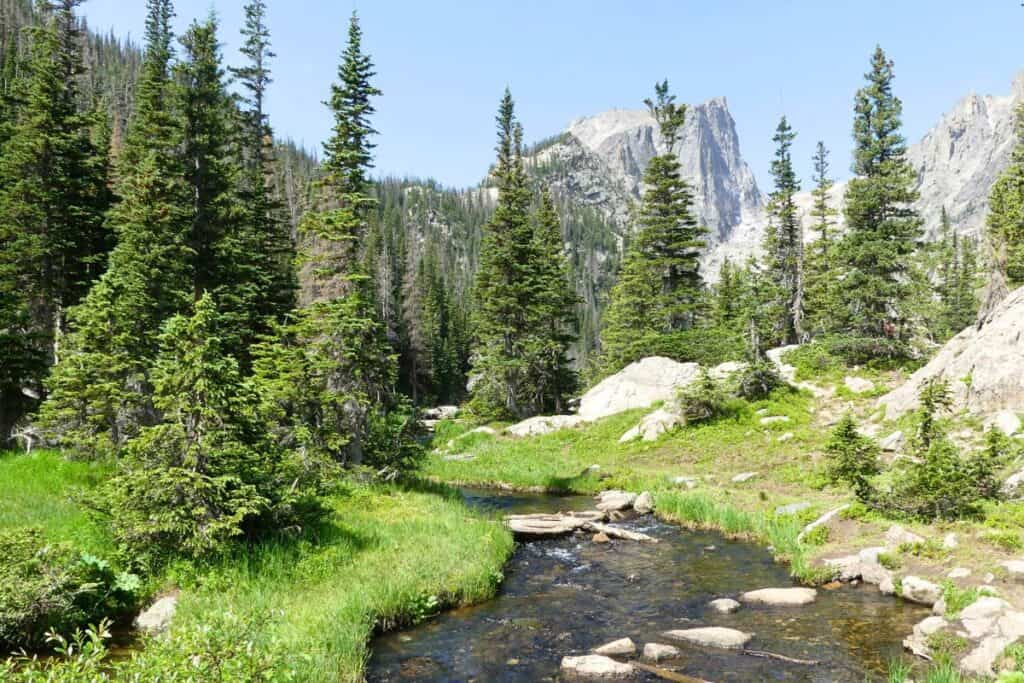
{"x":566,"y":596}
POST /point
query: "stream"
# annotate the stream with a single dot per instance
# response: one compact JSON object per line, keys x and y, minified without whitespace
{"x":569,"y":595}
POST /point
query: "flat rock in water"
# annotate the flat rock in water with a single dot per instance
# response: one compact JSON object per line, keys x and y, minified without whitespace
{"x":595,"y":666}
{"x":157,"y":617}
{"x":622,"y":646}
{"x":724,"y":605}
{"x":711,"y":636}
{"x":781,"y":597}
{"x":657,"y":652}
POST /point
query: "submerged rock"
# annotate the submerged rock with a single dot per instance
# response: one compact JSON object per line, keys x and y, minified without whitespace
{"x":596,"y":666}
{"x":711,"y":636}
{"x":724,"y":605}
{"x":622,"y":646}
{"x":781,"y":597}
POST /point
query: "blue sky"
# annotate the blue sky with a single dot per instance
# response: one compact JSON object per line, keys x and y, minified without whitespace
{"x":443,"y":64}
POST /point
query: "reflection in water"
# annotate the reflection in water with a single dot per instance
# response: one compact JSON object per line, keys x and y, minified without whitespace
{"x":567,"y":596}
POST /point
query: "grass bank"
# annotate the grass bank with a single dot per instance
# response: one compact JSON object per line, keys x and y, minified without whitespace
{"x":41,"y":490}
{"x":389,"y":556}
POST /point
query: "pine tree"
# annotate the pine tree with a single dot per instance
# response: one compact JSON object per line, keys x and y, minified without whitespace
{"x":552,"y":376}
{"x":659,"y":290}
{"x":956,"y":280}
{"x":275,"y":253}
{"x":53,"y":195}
{"x":882,"y":227}
{"x":819,"y":273}
{"x":1005,"y":223}
{"x":504,"y":281}
{"x":784,"y":243}
{"x":208,"y":472}
{"x":331,"y":373}
{"x":99,"y":392}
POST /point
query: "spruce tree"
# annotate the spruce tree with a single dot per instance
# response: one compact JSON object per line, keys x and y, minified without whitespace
{"x":554,"y":318}
{"x":883,"y":229}
{"x":100,"y":390}
{"x":53,"y":195}
{"x":659,"y":290}
{"x":1005,"y":223}
{"x":505,"y":283}
{"x":275,"y":253}
{"x":820,"y":277}
{"x":331,"y":373}
{"x":784,"y":243}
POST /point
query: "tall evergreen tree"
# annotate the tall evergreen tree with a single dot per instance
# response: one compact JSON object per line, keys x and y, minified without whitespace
{"x":100,"y":390}
{"x":1005,"y":224}
{"x":553,"y":378}
{"x":819,"y":274}
{"x":882,"y":227}
{"x":275,"y":253}
{"x":53,"y":195}
{"x":956,"y":280}
{"x":504,"y":286}
{"x":659,"y":290}
{"x":332,"y":374}
{"x":785,"y":242}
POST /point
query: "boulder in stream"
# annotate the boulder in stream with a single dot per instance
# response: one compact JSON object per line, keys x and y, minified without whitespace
{"x":724,"y":605}
{"x":657,"y":652}
{"x":644,"y":503}
{"x":595,"y":666}
{"x":609,"y":501}
{"x":622,"y":646}
{"x":545,"y":525}
{"x":711,"y":636}
{"x":780,"y":597}
{"x":919,"y":590}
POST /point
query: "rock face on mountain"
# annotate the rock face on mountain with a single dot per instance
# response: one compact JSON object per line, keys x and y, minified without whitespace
{"x":982,"y":364}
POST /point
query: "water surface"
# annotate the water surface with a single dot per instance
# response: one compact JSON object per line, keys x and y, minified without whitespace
{"x":566,"y":596}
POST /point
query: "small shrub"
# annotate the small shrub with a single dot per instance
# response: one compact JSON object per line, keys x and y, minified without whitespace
{"x":946,"y":644}
{"x":704,"y":399}
{"x":852,"y":457}
{"x":957,"y":599}
{"x":861,"y":350}
{"x":50,"y":588}
{"x":1004,"y":538}
{"x":813,"y":361}
{"x":817,"y":536}
{"x":890,"y":561}
{"x":758,"y":381}
{"x":930,"y":548}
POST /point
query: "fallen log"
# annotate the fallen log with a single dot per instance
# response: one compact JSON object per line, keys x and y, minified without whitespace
{"x":781,"y":658}
{"x":616,"y":532}
{"x":666,"y":674}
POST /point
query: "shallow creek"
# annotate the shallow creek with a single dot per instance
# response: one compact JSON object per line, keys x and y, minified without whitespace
{"x":566,"y":596}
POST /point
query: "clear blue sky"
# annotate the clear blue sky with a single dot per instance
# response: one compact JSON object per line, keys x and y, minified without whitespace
{"x":443,"y":64}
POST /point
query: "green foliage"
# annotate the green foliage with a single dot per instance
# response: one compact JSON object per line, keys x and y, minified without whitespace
{"x":1006,"y":214}
{"x":48,"y":587}
{"x":704,"y":399}
{"x":758,"y":380}
{"x":525,"y":309}
{"x":957,"y":599}
{"x":852,"y":458}
{"x":659,"y":288}
{"x":784,"y":245}
{"x":819,"y":261}
{"x":890,"y":561}
{"x":207,"y":473}
{"x":873,"y":256}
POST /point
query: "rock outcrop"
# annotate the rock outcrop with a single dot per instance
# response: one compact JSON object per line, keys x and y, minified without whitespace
{"x":982,"y":365}
{"x":545,"y":424}
{"x":638,"y":385}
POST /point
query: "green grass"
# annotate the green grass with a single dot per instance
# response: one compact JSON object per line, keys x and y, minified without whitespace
{"x":389,"y":557}
{"x":39,"y":490}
